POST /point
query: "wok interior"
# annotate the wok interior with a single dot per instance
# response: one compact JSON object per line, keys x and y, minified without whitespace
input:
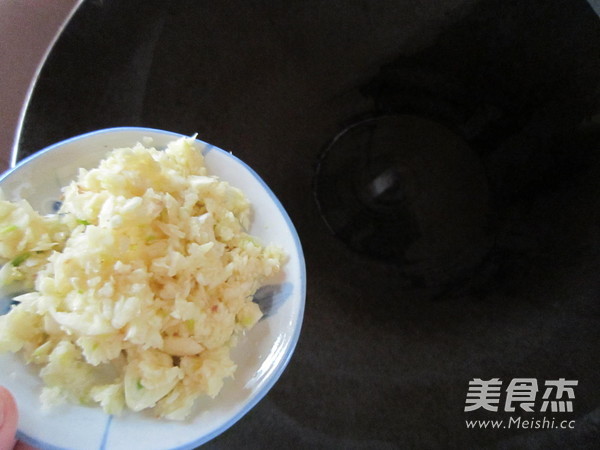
{"x":499,"y":280}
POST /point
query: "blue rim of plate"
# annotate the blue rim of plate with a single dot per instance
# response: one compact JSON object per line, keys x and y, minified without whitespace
{"x":302,"y":265}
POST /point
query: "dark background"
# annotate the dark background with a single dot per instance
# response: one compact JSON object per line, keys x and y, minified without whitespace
{"x":383,"y":361}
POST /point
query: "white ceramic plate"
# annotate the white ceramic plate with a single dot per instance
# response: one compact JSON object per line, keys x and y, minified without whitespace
{"x":261,"y":355}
